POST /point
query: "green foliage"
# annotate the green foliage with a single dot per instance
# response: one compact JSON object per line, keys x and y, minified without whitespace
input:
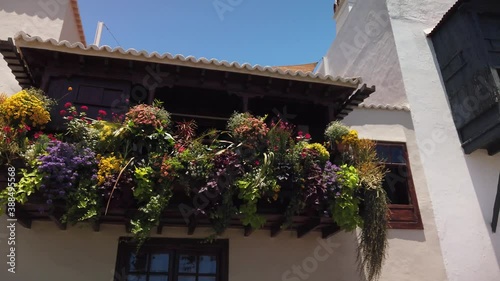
{"x":373,"y":237}
{"x":27,"y":185}
{"x":83,"y":204}
{"x":251,"y":187}
{"x":345,"y":207}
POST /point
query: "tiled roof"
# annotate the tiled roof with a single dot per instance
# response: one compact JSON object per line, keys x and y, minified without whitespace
{"x":308,"y":67}
{"x":24,"y":40}
{"x":78,"y":19}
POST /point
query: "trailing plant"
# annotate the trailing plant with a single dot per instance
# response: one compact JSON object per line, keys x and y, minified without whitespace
{"x":345,"y":206}
{"x":373,"y":237}
{"x":252,"y":187}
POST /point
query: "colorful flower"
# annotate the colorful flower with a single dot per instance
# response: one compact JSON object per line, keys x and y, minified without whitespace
{"x":68,"y":105}
{"x":84,"y":108}
{"x":102,"y":112}
{"x":63,"y":112}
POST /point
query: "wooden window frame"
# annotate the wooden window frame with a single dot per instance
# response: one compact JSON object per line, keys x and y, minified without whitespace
{"x":176,"y":247}
{"x":405,"y":216}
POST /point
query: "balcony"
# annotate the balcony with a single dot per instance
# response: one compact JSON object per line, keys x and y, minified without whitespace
{"x":467,"y":46}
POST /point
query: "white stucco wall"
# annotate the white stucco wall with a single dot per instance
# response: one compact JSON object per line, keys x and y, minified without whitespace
{"x":69,"y":30}
{"x":365,"y":47}
{"x":412,"y":254}
{"x":80,"y":254}
{"x":462,"y":187}
{"x":36,"y":17}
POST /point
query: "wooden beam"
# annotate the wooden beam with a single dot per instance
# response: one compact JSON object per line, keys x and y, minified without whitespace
{"x":56,"y":218}
{"x":277,"y":228}
{"x":248,"y":230}
{"x":192,"y":224}
{"x":307,"y":227}
{"x":20,"y":216}
{"x":496,"y":209}
{"x":494,"y":148}
{"x":96,"y":225}
{"x":330,"y":230}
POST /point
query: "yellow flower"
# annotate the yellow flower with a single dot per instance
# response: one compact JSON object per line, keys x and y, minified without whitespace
{"x":351,"y":138}
{"x":107,"y":167}
{"x":320,"y":149}
{"x":24,"y":108}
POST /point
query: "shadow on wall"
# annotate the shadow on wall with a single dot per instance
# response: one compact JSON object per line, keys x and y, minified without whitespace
{"x":379,"y":117}
{"x":52,"y":9}
{"x":484,"y":171}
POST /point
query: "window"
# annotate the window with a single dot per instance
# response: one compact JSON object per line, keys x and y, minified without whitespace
{"x":399,"y":186}
{"x":164,"y":259}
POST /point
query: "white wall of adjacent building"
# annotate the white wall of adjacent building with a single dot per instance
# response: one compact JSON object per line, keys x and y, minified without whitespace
{"x":461,"y":187}
{"x":44,"y":18}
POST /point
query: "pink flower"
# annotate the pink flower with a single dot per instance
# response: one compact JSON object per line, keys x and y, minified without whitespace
{"x":70,"y":118}
{"x":84,"y":108}
{"x":74,"y":113}
{"x":102,"y":112}
{"x":308,"y":136}
{"x":67,"y":105}
{"x":27,"y":128}
{"x":7,"y":129}
{"x":299,"y":133}
{"x":51,"y":137}
{"x":257,"y":162}
{"x":63,"y":112}
{"x":99,"y":118}
{"x":38,"y":134}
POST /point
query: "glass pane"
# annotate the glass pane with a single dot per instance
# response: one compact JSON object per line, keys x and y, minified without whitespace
{"x":136,"y":277}
{"x":186,"y":278}
{"x":397,"y":154}
{"x":206,"y":278}
{"x":138,"y":262}
{"x":208,"y":264}
{"x":187,"y":263}
{"x":159,"y":263}
{"x":158,"y":278}
{"x":396,"y":185}
{"x":383,"y":153}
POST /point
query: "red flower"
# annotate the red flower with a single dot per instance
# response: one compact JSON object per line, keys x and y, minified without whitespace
{"x":51,"y":137}
{"x":74,"y":113}
{"x":27,"y":128}
{"x":299,"y":133}
{"x":99,"y":118}
{"x":308,"y":136}
{"x":84,"y":108}
{"x":70,"y":118}
{"x":67,"y":105}
{"x":7,"y":129}
{"x":8,"y":140}
{"x":102,"y":112}
{"x":181,"y":149}
{"x":63,"y":112}
{"x":38,"y":134}
{"x":257,"y":163}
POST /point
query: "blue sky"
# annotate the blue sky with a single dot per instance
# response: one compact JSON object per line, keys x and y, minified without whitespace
{"x":266,"y":32}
